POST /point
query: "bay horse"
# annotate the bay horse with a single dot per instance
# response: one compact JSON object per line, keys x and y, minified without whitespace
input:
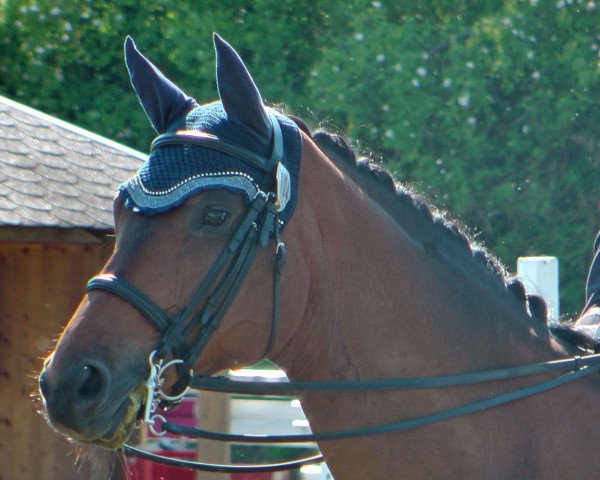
{"x":376,"y":284}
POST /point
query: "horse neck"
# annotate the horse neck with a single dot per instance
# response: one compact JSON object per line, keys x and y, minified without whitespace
{"x":382,"y":304}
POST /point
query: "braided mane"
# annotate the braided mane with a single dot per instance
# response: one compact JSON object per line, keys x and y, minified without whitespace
{"x":440,"y":232}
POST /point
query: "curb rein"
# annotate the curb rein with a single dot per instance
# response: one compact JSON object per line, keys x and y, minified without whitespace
{"x":228,"y":272}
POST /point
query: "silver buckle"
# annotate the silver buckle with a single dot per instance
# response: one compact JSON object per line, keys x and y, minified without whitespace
{"x":283,"y":187}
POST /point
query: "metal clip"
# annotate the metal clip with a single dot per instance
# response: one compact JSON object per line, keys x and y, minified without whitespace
{"x":152,"y":428}
{"x":155,"y":394}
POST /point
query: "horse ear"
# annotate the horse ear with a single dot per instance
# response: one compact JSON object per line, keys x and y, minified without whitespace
{"x":162,"y":100}
{"x":240,"y":97}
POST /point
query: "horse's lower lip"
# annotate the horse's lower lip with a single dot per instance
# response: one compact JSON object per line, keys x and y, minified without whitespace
{"x":117,"y":418}
{"x":118,"y":431}
{"x":122,"y":422}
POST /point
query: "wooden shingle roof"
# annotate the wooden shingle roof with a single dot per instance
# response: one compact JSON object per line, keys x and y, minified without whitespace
{"x":54,"y":174}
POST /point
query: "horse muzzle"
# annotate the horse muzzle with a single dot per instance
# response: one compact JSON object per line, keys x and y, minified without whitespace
{"x":82,"y":401}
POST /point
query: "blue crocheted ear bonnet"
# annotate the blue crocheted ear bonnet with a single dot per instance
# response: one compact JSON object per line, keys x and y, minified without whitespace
{"x":174,"y":172}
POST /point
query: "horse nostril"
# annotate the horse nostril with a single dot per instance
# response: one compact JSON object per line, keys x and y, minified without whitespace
{"x":90,"y":387}
{"x":91,"y":382}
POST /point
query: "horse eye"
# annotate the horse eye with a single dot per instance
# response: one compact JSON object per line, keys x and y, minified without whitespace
{"x":215,"y":217}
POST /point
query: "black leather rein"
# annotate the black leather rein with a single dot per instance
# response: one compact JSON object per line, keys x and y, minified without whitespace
{"x":575,"y":368}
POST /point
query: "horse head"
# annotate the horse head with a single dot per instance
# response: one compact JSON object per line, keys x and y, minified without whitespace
{"x":220,"y":183}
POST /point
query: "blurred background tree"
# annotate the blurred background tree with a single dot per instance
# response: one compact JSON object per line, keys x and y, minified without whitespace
{"x":490,"y":107}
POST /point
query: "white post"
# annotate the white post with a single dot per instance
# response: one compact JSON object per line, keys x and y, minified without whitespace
{"x":540,"y":276}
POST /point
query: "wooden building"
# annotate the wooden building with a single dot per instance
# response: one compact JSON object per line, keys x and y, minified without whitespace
{"x":57,"y":182}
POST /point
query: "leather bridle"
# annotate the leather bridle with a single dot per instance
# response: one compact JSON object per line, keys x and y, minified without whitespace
{"x":225,"y":276}
{"x":185,"y":336}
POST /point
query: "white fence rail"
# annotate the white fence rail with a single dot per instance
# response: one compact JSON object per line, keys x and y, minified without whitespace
{"x":540,"y":276}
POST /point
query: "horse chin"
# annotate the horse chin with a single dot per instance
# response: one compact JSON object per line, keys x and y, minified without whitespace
{"x":123,"y":421}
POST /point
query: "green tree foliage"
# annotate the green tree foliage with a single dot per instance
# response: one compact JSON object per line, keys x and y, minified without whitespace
{"x":490,"y":107}
{"x":495,"y":113}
